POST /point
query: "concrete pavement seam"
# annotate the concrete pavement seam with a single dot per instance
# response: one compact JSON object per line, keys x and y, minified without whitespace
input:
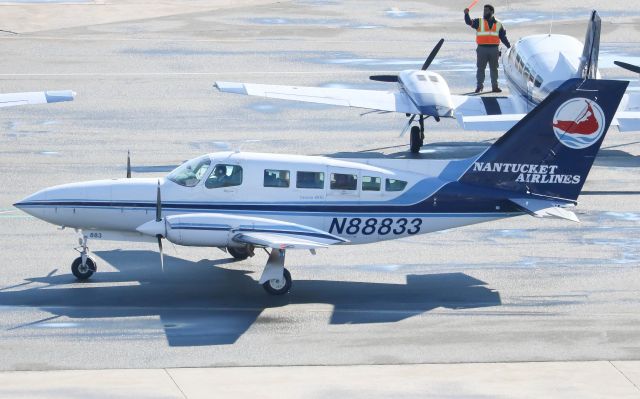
{"x":624,"y":375}
{"x":176,"y":384}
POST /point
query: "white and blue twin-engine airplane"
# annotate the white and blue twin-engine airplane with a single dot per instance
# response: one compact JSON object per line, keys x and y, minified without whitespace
{"x":534,"y":66}
{"x":242,"y":201}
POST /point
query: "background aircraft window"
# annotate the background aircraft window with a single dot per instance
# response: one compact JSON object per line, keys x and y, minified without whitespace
{"x":395,"y":185}
{"x":224,"y":176}
{"x":434,"y":79}
{"x":276,"y":178}
{"x":310,"y":180}
{"x":371,"y":183}
{"x":422,"y":77}
{"x":538,"y":81}
{"x":191,"y":172}
{"x":342,"y":181}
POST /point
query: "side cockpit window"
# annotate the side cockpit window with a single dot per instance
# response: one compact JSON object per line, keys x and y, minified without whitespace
{"x":276,"y":178}
{"x":224,"y":176}
{"x":191,"y":172}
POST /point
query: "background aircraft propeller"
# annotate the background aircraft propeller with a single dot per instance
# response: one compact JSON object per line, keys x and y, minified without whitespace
{"x":158,"y":220}
{"x":628,"y":67}
{"x":427,"y":63}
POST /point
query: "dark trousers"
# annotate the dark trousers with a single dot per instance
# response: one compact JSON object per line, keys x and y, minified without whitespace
{"x":487,"y":54}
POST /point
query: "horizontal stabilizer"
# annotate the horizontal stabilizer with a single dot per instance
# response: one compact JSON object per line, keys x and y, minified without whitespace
{"x":278,"y":241}
{"x":488,"y":122}
{"x":544,"y":207}
{"x":628,"y":121}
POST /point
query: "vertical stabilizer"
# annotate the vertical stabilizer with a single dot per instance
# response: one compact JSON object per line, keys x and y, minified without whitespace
{"x":589,"y":61}
{"x":550,"y":151}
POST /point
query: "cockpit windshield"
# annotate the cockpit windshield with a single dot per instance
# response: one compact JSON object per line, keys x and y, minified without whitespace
{"x":191,"y":172}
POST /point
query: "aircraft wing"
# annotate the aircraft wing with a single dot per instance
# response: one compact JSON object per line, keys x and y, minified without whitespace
{"x":392,"y":101}
{"x":35,"y":97}
{"x":487,"y":113}
{"x":279,"y":241}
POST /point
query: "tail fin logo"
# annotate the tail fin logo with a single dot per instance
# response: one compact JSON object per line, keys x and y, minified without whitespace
{"x":579,"y":123}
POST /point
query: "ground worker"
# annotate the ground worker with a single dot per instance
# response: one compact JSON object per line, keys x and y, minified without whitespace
{"x":489,"y":33}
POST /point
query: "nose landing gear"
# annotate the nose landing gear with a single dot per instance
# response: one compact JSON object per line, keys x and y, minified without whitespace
{"x":83,"y":266}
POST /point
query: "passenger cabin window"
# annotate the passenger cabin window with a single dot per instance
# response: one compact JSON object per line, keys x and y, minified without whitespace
{"x":434,"y":79}
{"x":422,"y":78}
{"x":310,"y":180}
{"x":224,"y":176}
{"x":342,"y":181}
{"x":395,"y":185}
{"x":276,"y":178}
{"x":370,"y":183}
{"x":191,"y":172}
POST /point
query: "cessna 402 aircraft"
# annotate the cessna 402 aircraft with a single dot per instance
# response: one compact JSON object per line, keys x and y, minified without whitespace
{"x":534,"y":67}
{"x":242,"y":201}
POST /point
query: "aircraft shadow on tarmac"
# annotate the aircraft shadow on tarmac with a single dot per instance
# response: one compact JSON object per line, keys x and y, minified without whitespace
{"x":200,"y":303}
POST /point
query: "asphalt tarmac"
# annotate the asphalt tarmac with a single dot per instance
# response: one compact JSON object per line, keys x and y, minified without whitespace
{"x":516,"y":290}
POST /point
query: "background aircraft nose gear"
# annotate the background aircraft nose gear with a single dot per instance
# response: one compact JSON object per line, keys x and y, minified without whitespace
{"x":83,"y":266}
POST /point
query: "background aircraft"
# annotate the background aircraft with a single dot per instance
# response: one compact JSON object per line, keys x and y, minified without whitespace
{"x":534,"y":66}
{"x":243,"y":201}
{"x":35,"y":97}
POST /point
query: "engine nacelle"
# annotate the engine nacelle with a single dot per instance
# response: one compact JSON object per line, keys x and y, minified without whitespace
{"x":428,"y":91}
{"x":198,"y":230}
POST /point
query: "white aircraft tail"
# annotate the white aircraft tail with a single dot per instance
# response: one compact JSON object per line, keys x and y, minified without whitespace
{"x":588,"y":68}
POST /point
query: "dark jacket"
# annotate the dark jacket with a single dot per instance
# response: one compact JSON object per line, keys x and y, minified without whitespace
{"x":474,"y":23}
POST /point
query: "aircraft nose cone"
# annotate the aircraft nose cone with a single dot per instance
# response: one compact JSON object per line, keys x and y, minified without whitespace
{"x":32,"y":203}
{"x":152,"y":228}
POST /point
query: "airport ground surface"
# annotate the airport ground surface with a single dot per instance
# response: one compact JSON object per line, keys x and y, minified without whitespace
{"x":517,"y":290}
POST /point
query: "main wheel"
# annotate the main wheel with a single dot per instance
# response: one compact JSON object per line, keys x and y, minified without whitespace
{"x":279,"y":286}
{"x":239,"y":253}
{"x":83,"y":272}
{"x":415,"y":140}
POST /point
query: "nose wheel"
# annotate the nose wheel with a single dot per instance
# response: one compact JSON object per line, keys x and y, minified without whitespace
{"x":83,"y":270}
{"x":83,"y":266}
{"x":416,"y":139}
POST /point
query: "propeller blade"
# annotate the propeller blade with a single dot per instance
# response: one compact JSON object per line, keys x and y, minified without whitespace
{"x":432,"y":55}
{"x":161,"y":253}
{"x":128,"y":165}
{"x":628,"y":67}
{"x":406,"y":127}
{"x":384,"y":78}
{"x":158,"y":205}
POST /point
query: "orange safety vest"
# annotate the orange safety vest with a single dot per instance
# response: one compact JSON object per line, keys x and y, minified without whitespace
{"x":484,"y":35}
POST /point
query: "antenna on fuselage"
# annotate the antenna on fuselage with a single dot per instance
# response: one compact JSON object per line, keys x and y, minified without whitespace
{"x":551,"y":23}
{"x":128,"y":164}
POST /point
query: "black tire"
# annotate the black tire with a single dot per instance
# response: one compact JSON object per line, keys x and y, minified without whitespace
{"x":239,"y":253}
{"x":415,"y":140}
{"x":83,"y":272}
{"x":276,"y":287}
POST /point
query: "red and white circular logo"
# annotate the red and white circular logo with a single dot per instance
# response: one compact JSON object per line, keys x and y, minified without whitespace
{"x":578,"y":123}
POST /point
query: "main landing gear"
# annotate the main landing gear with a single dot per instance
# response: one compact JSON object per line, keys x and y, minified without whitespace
{"x":276,"y":280}
{"x":241,"y":253}
{"x":83,"y":266}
